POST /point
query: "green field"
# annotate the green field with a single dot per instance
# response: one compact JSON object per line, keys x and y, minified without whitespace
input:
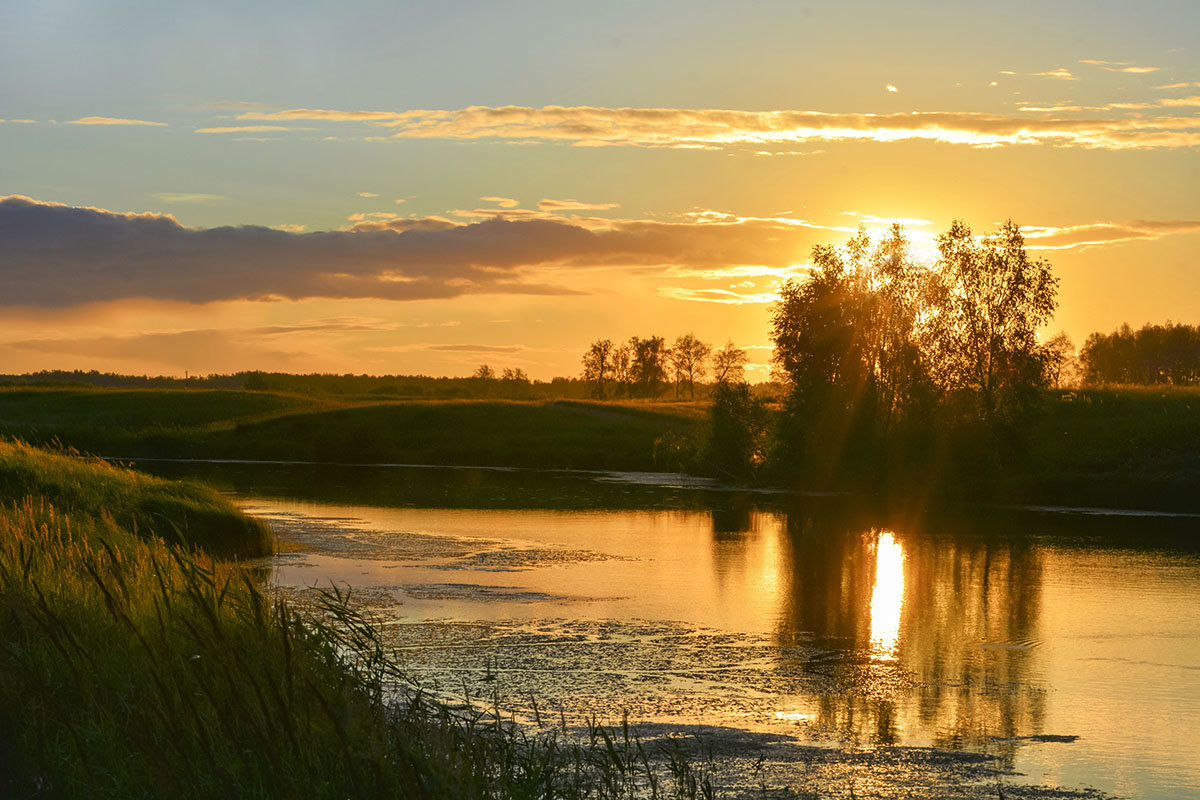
{"x":1135,"y":447}
{"x":259,"y":425}
{"x":1128,"y":447}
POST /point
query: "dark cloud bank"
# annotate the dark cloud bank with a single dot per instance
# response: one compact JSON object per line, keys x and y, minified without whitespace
{"x":56,"y":255}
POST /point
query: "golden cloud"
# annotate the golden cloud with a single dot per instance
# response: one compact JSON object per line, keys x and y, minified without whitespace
{"x":1103,"y":233}
{"x":714,"y":128}
{"x":570,"y":204}
{"x":114,"y":121}
{"x":661,"y":127}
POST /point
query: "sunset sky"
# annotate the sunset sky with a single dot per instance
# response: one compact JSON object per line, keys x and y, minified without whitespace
{"x":392,"y":187}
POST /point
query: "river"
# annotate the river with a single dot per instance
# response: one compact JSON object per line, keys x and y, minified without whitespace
{"x":1062,"y":645}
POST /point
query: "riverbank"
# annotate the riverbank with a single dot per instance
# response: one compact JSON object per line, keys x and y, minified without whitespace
{"x":1128,"y":447}
{"x":133,"y":667}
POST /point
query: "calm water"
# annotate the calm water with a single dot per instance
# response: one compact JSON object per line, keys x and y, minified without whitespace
{"x":817,"y":617}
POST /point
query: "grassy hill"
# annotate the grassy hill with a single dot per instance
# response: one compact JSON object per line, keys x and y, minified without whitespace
{"x":263,"y":425}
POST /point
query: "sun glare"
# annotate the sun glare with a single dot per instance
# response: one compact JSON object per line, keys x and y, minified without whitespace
{"x":887,"y":596}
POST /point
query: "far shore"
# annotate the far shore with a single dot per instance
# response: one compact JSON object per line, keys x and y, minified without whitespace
{"x":1132,"y":448}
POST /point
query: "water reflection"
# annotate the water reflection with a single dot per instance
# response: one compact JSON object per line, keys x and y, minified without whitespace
{"x":836,"y":619}
{"x":937,"y":628}
{"x":887,"y":596}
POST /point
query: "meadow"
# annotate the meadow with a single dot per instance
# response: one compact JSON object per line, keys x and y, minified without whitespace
{"x":1133,"y":447}
{"x":262,"y":425}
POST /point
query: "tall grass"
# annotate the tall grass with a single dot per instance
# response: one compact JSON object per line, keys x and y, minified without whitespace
{"x":133,"y":667}
{"x":186,"y":513}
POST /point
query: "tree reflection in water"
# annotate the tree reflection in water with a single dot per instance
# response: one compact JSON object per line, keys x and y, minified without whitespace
{"x":931,"y":626}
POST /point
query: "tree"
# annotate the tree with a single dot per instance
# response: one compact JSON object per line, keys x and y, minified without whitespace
{"x":729,"y":365}
{"x":874,"y":339}
{"x":598,"y":365}
{"x":514,"y":375}
{"x":851,"y":335}
{"x":1058,"y":359}
{"x":647,"y":365}
{"x":736,"y":424}
{"x":622,"y":369}
{"x":994,"y":299}
{"x":1153,"y":354}
{"x":484,"y":373}
{"x":688,"y":358}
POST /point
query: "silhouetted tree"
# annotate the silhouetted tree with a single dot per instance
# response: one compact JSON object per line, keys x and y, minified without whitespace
{"x":598,"y":366}
{"x":1058,"y":360}
{"x":514,"y":375}
{"x":994,"y":297}
{"x":647,"y":365}
{"x":729,"y":364}
{"x":484,"y":373}
{"x":733,"y":446}
{"x":1154,"y":354}
{"x":688,"y":357}
{"x":874,"y":338}
{"x":622,"y":370}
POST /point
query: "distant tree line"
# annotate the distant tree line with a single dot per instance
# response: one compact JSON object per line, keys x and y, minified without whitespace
{"x":511,"y":383}
{"x":1151,"y":355}
{"x":649,"y":367}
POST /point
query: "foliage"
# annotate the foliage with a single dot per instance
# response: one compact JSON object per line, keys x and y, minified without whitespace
{"x":876,"y":344}
{"x":647,"y":365}
{"x":1153,"y":354}
{"x":990,"y":304}
{"x":688,"y":357}
{"x":729,"y":364}
{"x":598,"y":367}
{"x":733,"y":446}
{"x":1060,"y":361}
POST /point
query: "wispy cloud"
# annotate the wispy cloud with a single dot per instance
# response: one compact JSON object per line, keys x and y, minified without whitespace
{"x":476,"y":348}
{"x":1181,"y":101}
{"x":327,"y":115}
{"x":243,"y":129}
{"x":1119,"y":66}
{"x":1096,"y":234}
{"x":367,"y":194}
{"x":650,"y":127}
{"x":175,"y":349}
{"x":723,"y":296}
{"x":174,"y":198}
{"x":570,"y":204}
{"x":503,"y":202}
{"x":588,"y":126}
{"x":114,"y":121}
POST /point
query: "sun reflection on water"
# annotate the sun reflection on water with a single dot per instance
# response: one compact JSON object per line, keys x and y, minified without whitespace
{"x":887,"y":596}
